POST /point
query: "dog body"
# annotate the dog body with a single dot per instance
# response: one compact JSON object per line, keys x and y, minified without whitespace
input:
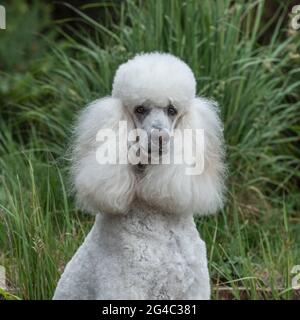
{"x":141,"y":255}
{"x":144,"y":244}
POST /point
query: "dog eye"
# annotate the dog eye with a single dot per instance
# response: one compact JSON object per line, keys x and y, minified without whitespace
{"x":140,"y":109}
{"x":172,"y":111}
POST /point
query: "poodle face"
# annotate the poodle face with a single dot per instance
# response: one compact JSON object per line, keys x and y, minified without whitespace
{"x":157,"y":123}
{"x":156,"y":89}
{"x":155,"y":93}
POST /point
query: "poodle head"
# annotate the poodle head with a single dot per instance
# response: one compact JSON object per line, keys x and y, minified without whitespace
{"x":156,"y":93}
{"x":156,"y":90}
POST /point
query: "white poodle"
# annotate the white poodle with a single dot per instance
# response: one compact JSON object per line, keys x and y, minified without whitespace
{"x":144,"y":243}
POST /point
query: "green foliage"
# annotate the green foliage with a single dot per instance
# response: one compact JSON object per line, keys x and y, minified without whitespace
{"x":21,"y":41}
{"x":254,"y":242}
{"x":7,"y":296}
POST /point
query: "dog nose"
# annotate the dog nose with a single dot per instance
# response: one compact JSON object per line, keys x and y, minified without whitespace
{"x":160,"y":135}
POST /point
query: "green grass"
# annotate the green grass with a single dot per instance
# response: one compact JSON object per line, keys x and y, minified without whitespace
{"x":7,"y":296}
{"x":255,"y":241}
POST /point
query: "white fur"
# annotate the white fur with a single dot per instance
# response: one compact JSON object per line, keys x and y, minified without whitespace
{"x":144,"y":244}
{"x":106,"y":188}
{"x":144,"y":77}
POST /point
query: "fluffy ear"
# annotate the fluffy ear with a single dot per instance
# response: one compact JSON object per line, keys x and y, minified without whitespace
{"x":207,"y":188}
{"x":107,"y":188}
{"x":171,"y":188}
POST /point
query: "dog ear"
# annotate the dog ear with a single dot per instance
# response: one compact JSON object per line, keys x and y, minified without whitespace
{"x":178,"y":188}
{"x":207,"y":188}
{"x":102,"y":187}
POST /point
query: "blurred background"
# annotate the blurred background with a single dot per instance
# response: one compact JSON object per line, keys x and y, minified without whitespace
{"x":55,"y":57}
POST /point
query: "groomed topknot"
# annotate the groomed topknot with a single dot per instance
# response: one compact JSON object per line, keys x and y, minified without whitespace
{"x":159,"y":76}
